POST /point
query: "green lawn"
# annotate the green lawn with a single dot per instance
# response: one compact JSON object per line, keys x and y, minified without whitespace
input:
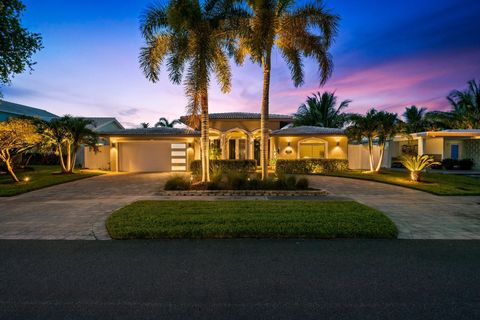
{"x":253,"y":219}
{"x":40,"y":177}
{"x":436,"y":183}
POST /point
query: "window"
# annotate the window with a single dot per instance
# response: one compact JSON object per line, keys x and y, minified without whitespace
{"x":315,"y":150}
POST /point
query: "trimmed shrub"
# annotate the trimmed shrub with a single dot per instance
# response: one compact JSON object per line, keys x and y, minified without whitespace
{"x":178,"y":183}
{"x":302,"y":184}
{"x":453,"y":164}
{"x":466,"y":164}
{"x":306,"y":166}
{"x":225,"y":166}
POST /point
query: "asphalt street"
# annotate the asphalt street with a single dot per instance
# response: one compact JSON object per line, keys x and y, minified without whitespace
{"x":240,"y":279}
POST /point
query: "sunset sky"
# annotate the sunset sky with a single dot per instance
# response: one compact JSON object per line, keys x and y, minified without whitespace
{"x":388,"y":55}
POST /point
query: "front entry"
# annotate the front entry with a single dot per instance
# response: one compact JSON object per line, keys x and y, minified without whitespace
{"x":237,"y":149}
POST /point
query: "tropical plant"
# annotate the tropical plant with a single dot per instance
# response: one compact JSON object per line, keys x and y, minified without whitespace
{"x":364,"y":127}
{"x":416,"y":164}
{"x":298,"y":31}
{"x":415,"y":119}
{"x":193,"y":39}
{"x":163,"y":122}
{"x":17,"y":44}
{"x":389,"y":125}
{"x":321,"y":110}
{"x":374,"y":125}
{"x":66,"y":135}
{"x":465,"y":113}
{"x":144,"y":125}
{"x":16,"y":136}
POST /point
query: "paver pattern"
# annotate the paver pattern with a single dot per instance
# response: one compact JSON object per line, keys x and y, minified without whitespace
{"x":77,"y":210}
{"x":417,"y":214}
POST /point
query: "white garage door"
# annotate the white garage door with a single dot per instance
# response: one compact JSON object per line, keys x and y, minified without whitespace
{"x":151,"y":156}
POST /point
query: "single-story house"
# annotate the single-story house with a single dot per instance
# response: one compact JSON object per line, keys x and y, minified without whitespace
{"x":233,"y":135}
{"x":14,"y":110}
{"x":445,"y":144}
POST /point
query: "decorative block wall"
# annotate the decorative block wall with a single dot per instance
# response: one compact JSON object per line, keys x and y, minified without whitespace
{"x":471,"y":150}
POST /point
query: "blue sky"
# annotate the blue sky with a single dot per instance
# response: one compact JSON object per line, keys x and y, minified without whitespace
{"x":388,"y":54}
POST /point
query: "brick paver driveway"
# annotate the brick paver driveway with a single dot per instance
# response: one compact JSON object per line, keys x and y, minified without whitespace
{"x":74,"y":210}
{"x":417,"y":214}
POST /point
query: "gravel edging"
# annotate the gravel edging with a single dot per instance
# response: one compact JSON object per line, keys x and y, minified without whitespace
{"x":254,"y":193}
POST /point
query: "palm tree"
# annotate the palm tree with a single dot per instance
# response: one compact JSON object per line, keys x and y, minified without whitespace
{"x":321,"y":110}
{"x":465,"y":113}
{"x":66,"y":135}
{"x":163,"y":122}
{"x":145,"y":125}
{"x":364,"y":127}
{"x":297,"y":30}
{"x":388,"y":126}
{"x":374,"y":125}
{"x":195,"y":40}
{"x":415,"y":119}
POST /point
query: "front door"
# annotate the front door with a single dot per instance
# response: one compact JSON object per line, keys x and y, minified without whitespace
{"x":454,"y":151}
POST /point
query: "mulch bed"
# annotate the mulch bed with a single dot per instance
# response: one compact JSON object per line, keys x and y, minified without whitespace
{"x":254,"y":193}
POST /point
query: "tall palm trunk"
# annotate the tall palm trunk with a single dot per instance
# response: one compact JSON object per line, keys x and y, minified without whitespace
{"x":62,"y":161}
{"x":204,"y":138}
{"x":380,"y":159}
{"x":266,"y":64}
{"x":69,"y":157}
{"x":370,"y":153}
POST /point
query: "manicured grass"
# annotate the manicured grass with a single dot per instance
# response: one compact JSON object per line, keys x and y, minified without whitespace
{"x":436,"y":183}
{"x":40,"y":177}
{"x":253,"y":219}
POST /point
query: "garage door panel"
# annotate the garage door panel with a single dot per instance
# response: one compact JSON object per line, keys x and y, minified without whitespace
{"x":146,"y":156}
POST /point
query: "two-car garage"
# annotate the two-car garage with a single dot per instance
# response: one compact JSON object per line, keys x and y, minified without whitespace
{"x":151,"y":156}
{"x":144,"y":150}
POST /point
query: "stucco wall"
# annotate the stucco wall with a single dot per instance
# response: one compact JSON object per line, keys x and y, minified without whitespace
{"x":334,"y":151}
{"x":99,"y":160}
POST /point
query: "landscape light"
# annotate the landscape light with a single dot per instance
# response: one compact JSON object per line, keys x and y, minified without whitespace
{"x":26,"y":179}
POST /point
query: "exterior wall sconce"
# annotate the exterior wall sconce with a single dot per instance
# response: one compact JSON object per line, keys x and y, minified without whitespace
{"x":114,"y":144}
{"x":338,"y":143}
{"x":190,"y":145}
{"x":288,"y":143}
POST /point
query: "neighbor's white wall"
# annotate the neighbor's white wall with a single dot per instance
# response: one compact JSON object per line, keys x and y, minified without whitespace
{"x":99,"y":160}
{"x":358,"y":156}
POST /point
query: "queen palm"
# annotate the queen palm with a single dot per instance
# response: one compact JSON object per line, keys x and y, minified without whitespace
{"x":163,"y":122}
{"x":194,"y":41}
{"x":297,"y":30}
{"x":321,"y":110}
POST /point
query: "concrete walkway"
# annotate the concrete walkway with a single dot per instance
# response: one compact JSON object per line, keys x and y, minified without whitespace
{"x":75,"y":210}
{"x":417,"y":214}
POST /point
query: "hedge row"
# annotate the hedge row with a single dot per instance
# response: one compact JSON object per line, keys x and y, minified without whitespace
{"x":306,"y":166}
{"x":225,"y":166}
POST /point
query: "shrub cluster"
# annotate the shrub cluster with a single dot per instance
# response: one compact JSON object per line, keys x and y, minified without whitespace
{"x":239,"y":181}
{"x":306,"y":166}
{"x":178,"y":183}
{"x":453,"y":164}
{"x":225,"y":166}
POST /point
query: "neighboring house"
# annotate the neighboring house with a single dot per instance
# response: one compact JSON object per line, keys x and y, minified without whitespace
{"x":445,"y":144}
{"x":101,"y":160}
{"x":235,"y":135}
{"x":101,"y":124}
{"x":15,"y":110}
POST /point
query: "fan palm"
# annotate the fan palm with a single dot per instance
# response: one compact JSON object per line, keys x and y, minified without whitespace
{"x":194,"y":40}
{"x":163,"y":122}
{"x":321,"y":110}
{"x":297,"y":30}
{"x":144,"y":125}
